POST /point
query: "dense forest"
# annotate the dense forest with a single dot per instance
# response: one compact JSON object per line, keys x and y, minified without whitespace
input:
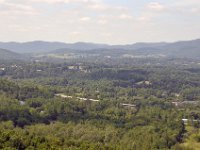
{"x":120,"y":104}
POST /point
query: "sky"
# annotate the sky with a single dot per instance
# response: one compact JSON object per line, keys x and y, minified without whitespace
{"x":99,"y":21}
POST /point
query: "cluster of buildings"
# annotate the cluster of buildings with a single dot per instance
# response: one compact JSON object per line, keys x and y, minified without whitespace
{"x":2,"y":67}
{"x":182,"y":103}
{"x":79,"y":98}
{"x":125,"y":105}
{"x":78,"y":68}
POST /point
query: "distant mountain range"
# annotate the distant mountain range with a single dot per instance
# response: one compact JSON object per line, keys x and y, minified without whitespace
{"x":182,"y":49}
{"x":188,"y":49}
{"x":42,"y":46}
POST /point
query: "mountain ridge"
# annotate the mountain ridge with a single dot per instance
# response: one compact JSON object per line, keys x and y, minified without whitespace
{"x":10,"y":55}
{"x":189,"y":49}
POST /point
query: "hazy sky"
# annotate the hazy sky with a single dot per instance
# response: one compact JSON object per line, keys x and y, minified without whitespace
{"x":101,"y":21}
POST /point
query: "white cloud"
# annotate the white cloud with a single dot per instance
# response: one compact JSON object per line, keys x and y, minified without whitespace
{"x":98,"y":20}
{"x":144,"y":18}
{"x":155,"y":6}
{"x":125,"y":17}
{"x":187,"y":2}
{"x":84,"y":19}
{"x":9,"y":8}
{"x":195,"y":10}
{"x":75,"y":33}
{"x":51,"y":1}
{"x":102,"y":21}
{"x":64,"y":1}
{"x":20,"y":7}
{"x":152,"y":11}
{"x":98,"y":7}
{"x":107,"y":34}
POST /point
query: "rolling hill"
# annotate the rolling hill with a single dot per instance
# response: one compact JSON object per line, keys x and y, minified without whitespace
{"x":184,"y":49}
{"x":42,"y":46}
{"x":9,"y":55}
{"x":188,"y":49}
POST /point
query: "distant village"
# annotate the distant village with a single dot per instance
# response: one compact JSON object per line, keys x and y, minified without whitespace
{"x":77,"y":67}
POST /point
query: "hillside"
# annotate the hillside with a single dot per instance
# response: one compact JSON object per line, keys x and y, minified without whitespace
{"x":185,"y":49}
{"x":9,"y":55}
{"x":42,"y":46}
{"x":188,"y":49}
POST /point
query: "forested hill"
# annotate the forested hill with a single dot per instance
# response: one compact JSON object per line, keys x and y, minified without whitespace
{"x":182,"y":49}
{"x":42,"y":46}
{"x":9,"y":55}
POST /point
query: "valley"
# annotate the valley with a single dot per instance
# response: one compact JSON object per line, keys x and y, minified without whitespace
{"x":110,"y":103}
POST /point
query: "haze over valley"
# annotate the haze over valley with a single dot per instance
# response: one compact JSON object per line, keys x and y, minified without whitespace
{"x":58,"y":50}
